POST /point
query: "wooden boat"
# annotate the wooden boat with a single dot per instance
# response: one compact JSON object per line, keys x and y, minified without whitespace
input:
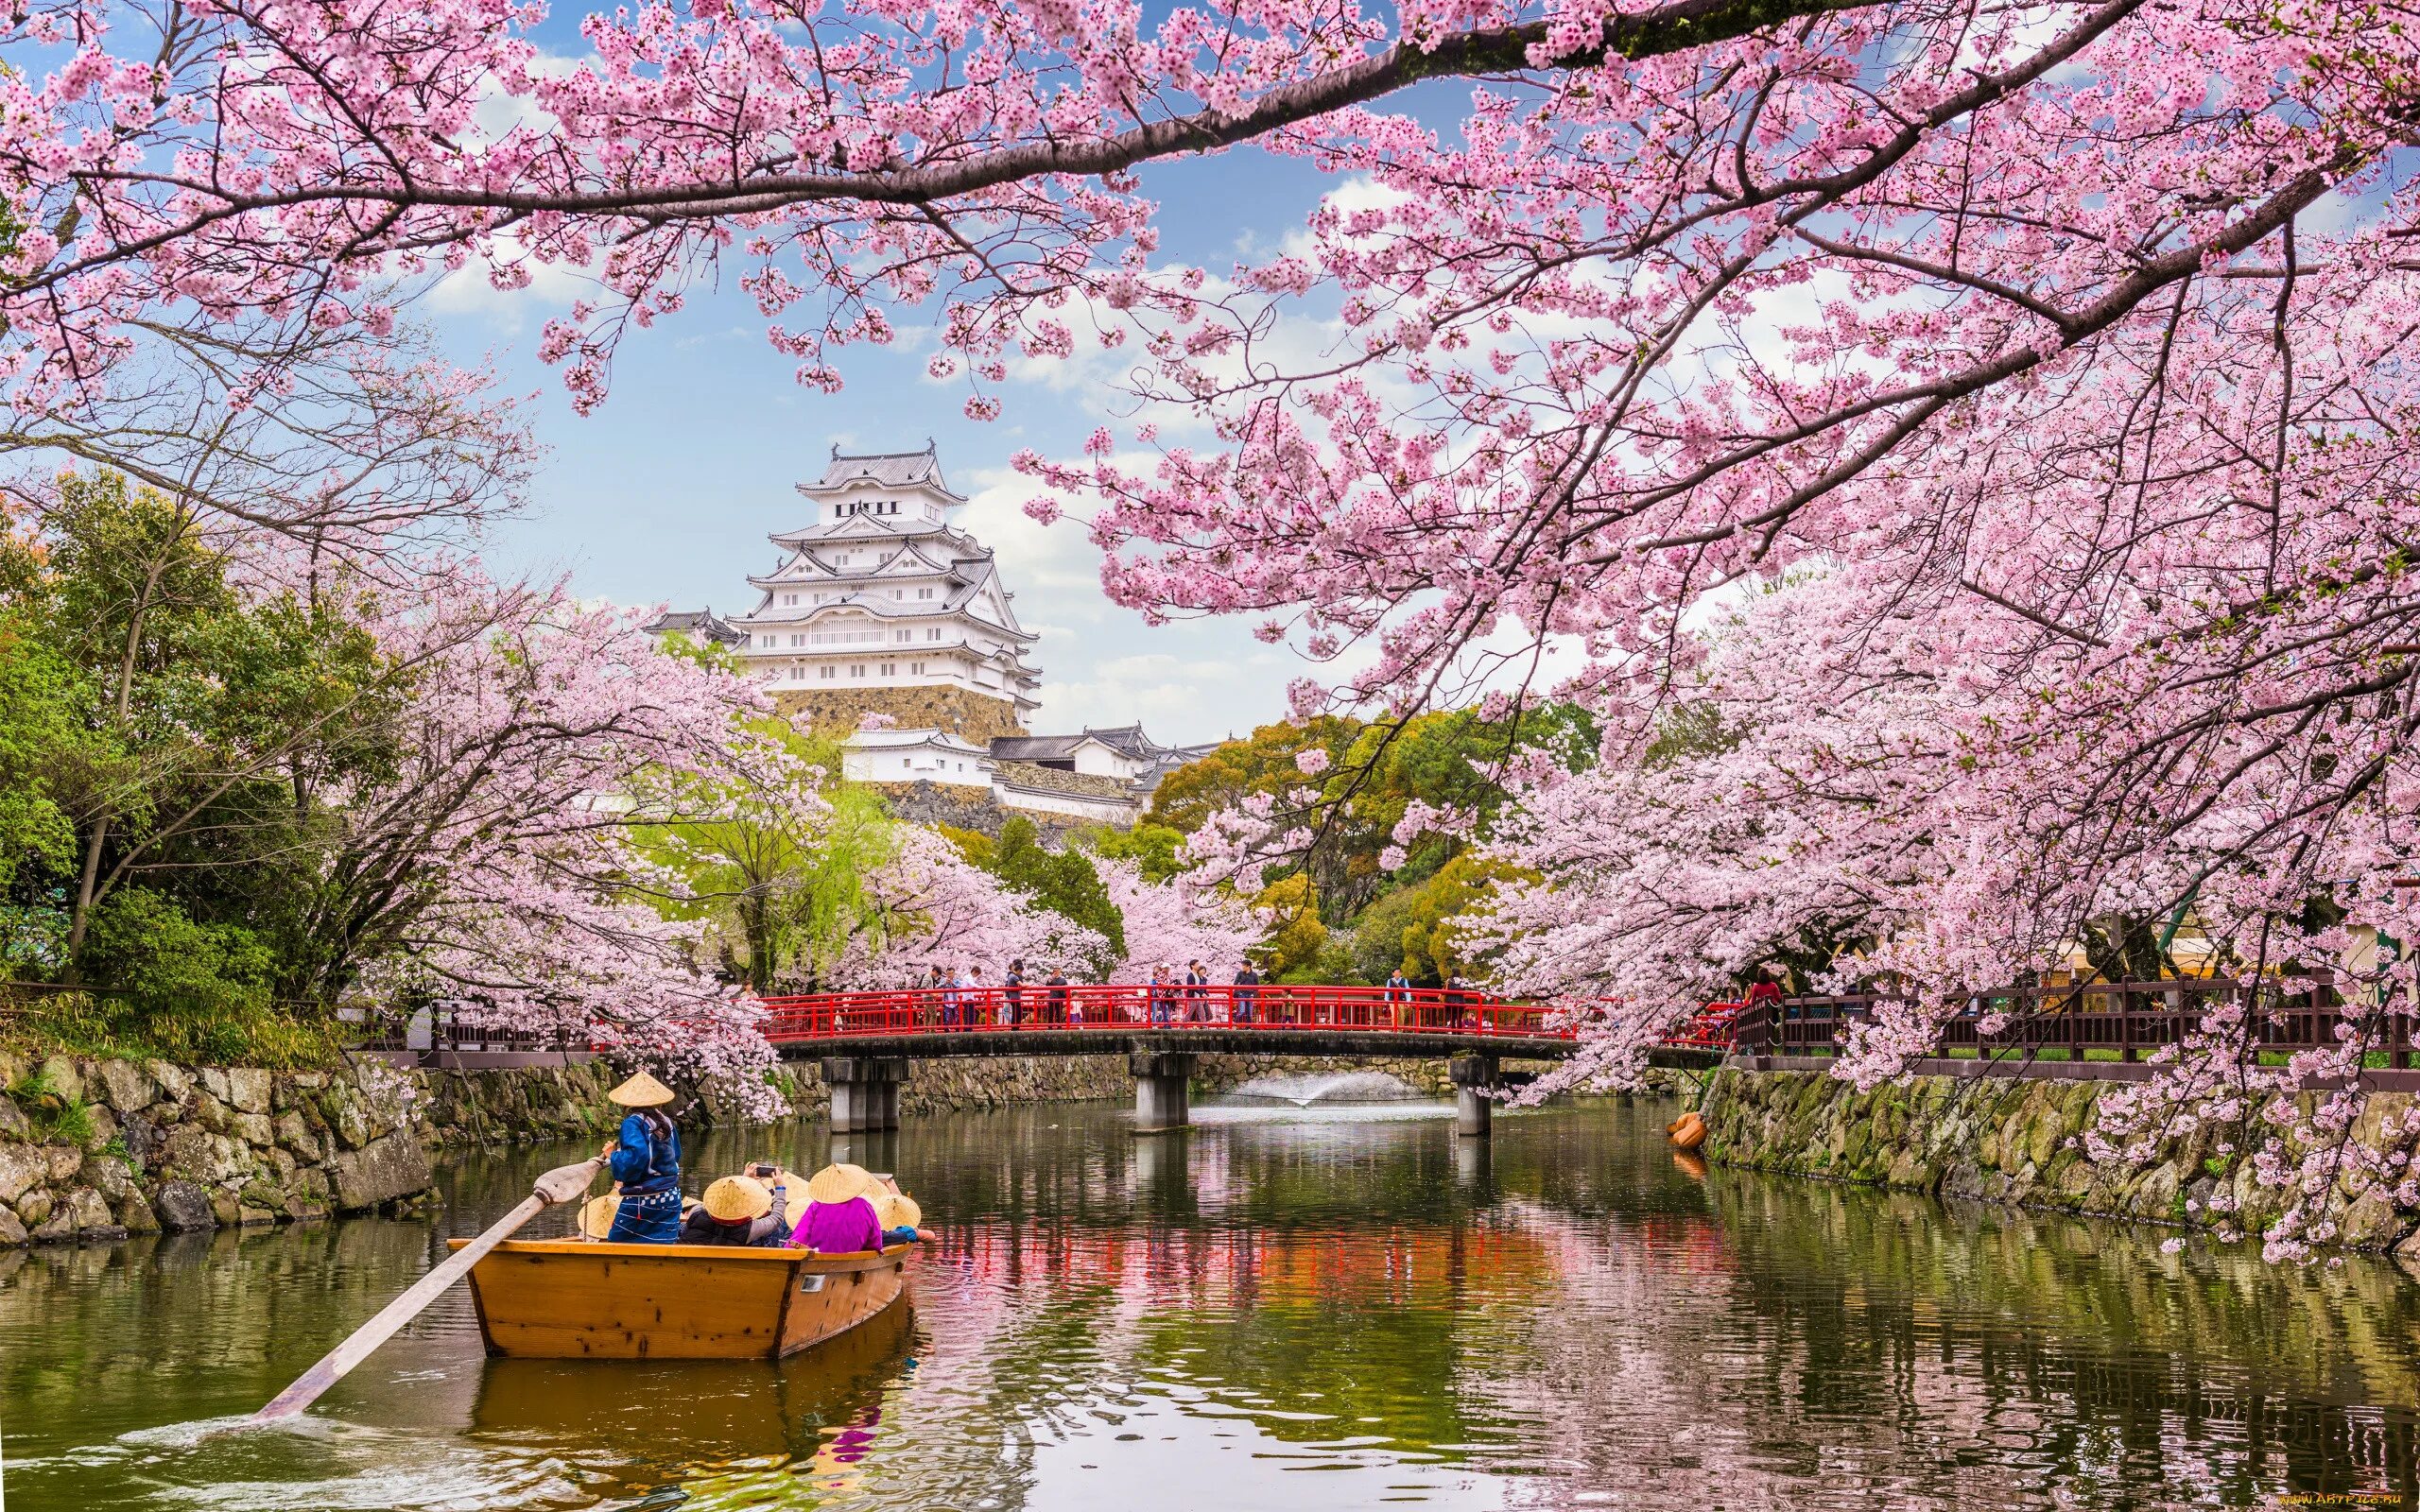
{"x":572,"y":1299}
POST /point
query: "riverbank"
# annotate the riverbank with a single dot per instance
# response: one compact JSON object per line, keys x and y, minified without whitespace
{"x":2016,"y":1142}
{"x":95,"y":1150}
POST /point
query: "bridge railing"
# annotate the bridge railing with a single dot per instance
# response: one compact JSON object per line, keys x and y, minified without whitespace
{"x":2106,"y":1020}
{"x":1124,"y":1008}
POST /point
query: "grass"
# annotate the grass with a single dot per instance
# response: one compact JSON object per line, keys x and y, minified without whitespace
{"x":57,"y":1115}
{"x":114,"y":1028}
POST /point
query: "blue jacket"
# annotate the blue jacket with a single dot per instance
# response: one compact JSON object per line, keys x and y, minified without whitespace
{"x":648,"y":1160}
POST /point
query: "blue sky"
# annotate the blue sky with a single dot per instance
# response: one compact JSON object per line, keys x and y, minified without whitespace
{"x":667,"y":492}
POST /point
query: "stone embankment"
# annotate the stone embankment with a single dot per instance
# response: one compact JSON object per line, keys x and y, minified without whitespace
{"x":102,"y":1149}
{"x":99,"y":1149}
{"x":2015,"y":1142}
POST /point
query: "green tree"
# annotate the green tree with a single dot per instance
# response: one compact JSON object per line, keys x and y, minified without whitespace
{"x":1297,"y":936}
{"x":774,"y":864}
{"x":1063,"y":881}
{"x":1152,"y":847}
{"x":1371,"y":775}
{"x":207,"y":723}
{"x":1418,"y":927}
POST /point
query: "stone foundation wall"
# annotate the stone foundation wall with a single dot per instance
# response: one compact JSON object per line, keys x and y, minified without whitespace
{"x":102,"y":1149}
{"x":837,"y":712}
{"x":970,"y":808}
{"x":2007,"y":1141}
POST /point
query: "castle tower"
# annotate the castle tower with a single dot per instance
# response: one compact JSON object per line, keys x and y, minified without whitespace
{"x":882,"y":604}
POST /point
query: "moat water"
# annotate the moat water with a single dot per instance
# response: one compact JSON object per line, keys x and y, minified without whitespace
{"x":1331,"y":1306}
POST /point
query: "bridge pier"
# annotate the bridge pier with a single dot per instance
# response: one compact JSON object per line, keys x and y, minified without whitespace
{"x":865,"y":1091}
{"x":1162,"y":1099}
{"x":1473,"y":1111}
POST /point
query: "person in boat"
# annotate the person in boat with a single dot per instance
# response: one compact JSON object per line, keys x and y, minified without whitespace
{"x":899,"y":1216}
{"x":646,"y":1159}
{"x":840,"y":1217}
{"x":741,"y":1210}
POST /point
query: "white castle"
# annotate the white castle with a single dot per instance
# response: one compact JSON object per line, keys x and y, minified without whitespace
{"x":882,"y":605}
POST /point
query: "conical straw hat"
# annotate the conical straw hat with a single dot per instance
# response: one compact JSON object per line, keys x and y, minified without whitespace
{"x":597,"y":1215}
{"x":839,"y":1183}
{"x":737,"y":1197}
{"x":897,"y":1211}
{"x":641,"y":1090}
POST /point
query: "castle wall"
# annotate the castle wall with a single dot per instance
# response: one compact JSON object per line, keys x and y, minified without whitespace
{"x":971,"y":808}
{"x":837,"y":711}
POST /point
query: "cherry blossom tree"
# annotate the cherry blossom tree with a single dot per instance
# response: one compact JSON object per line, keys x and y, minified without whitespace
{"x":1173,"y":923}
{"x":934,"y":908}
{"x":496,"y":864}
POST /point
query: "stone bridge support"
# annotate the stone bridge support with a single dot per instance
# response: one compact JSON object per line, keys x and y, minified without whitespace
{"x":1473,"y":1111}
{"x":1162,"y":1101}
{"x":865,"y":1091}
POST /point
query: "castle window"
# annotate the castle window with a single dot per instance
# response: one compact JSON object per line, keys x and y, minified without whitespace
{"x":790,"y":599}
{"x":917,"y":667}
{"x":828,"y":673}
{"x":890,"y":669}
{"x":901,"y":636}
{"x":924,"y":593}
{"x":933,"y":634}
{"x":856,"y":669}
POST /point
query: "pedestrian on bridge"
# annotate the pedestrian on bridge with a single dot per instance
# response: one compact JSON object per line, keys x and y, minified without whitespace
{"x":1246,"y":996}
{"x":1013,"y":993}
{"x":977,"y":1006}
{"x":928,"y":1005}
{"x":1162,"y":996}
{"x":1196,"y":990}
{"x":1057,"y":1007}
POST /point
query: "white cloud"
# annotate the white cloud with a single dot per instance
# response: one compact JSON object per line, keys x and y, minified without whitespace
{"x":1101,"y":665}
{"x":470,"y":290}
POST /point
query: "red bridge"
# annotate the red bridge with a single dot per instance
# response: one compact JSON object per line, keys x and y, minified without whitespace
{"x":867,"y":1040}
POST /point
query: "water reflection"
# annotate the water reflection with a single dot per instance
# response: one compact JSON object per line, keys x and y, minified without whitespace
{"x":1335,"y":1307}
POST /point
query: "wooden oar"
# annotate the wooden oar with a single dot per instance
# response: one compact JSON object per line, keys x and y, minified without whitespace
{"x":563,"y":1184}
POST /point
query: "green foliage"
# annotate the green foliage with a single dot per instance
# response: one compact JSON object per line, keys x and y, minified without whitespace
{"x":145,"y":946}
{"x":57,"y":1116}
{"x":1063,"y":882}
{"x":775,"y":867}
{"x":38,"y":691}
{"x":1416,"y":927}
{"x":1297,"y":936}
{"x":1690,"y":730}
{"x":163,"y":735}
{"x":972,"y":843}
{"x":1333,"y":962}
{"x":1152,"y":847}
{"x":117,"y":1027}
{"x":1374,"y":771}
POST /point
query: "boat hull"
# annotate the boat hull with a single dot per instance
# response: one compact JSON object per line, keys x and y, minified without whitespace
{"x":570,"y":1299}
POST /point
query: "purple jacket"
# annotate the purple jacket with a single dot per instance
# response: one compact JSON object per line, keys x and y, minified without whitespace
{"x":840,"y":1228}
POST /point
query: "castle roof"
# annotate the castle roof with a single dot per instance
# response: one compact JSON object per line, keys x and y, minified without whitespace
{"x":888,"y":469}
{"x":699,"y":624}
{"x":1127,"y":740}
